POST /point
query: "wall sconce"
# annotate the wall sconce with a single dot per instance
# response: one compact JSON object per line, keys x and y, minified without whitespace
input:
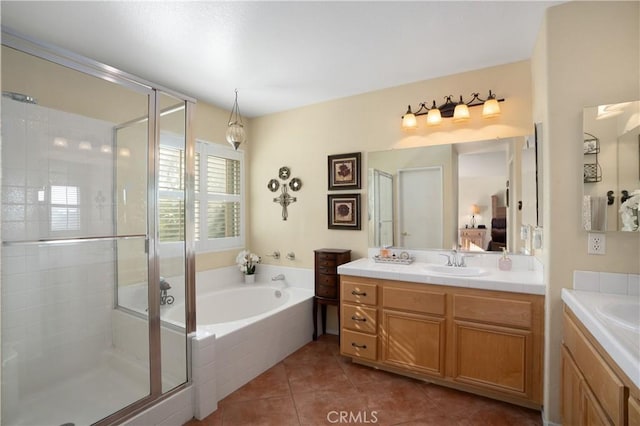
{"x":474,"y":211}
{"x":235,"y":130}
{"x":459,"y":111}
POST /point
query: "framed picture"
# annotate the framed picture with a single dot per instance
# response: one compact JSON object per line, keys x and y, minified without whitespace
{"x":344,"y":211}
{"x":344,"y":171}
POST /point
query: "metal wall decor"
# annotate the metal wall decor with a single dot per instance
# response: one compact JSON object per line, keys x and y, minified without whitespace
{"x":284,"y":199}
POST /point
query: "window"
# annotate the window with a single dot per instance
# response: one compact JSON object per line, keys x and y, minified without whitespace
{"x":219,"y":214}
{"x":65,"y":208}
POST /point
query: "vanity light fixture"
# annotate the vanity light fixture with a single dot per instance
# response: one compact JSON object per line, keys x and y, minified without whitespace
{"x":235,"y":130}
{"x":459,"y":111}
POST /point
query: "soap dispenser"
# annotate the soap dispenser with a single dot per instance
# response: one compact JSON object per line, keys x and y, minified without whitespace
{"x":504,"y":263}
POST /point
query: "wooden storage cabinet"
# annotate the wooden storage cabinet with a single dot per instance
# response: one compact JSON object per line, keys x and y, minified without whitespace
{"x":481,"y":341}
{"x":472,"y":236}
{"x":593,"y":392}
{"x":359,"y":334}
{"x":493,"y":343}
{"x":413,"y":328}
{"x":326,"y":262}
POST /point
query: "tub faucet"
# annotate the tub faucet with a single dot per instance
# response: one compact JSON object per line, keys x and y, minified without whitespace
{"x":279,"y":277}
{"x":165,"y":299}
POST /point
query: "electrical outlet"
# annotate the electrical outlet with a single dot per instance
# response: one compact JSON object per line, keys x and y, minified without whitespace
{"x":597,"y":244}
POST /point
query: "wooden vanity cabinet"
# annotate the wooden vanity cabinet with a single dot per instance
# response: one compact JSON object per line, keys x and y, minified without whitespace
{"x":359,"y":312}
{"x":413,"y":328}
{"x":481,"y":341}
{"x":594,"y":390}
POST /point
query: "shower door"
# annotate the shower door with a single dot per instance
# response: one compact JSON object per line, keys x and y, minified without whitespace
{"x":80,"y":219}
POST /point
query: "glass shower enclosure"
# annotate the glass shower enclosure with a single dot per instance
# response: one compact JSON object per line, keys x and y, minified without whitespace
{"x":86,"y":240}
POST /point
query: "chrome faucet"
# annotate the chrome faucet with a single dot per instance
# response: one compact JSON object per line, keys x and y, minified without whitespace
{"x":455,"y":259}
{"x":279,"y":277}
{"x":165,"y":299}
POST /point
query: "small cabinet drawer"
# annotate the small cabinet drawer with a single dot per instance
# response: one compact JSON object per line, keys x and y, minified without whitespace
{"x":360,"y":345}
{"x":358,"y":292}
{"x":359,"y":318}
{"x":514,"y":313}
{"x":328,"y":291}
{"x":328,"y":280}
{"x":330,"y":264}
{"x":410,"y":299}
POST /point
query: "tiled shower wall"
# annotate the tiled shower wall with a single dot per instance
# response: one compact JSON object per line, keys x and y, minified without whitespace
{"x":56,"y":299}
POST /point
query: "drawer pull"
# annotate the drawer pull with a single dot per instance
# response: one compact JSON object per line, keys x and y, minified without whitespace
{"x":355,"y":345}
{"x":359,"y":293}
{"x":355,"y":318}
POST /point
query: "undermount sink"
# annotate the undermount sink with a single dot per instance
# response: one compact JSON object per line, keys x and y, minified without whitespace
{"x":460,"y":271}
{"x":625,"y":314}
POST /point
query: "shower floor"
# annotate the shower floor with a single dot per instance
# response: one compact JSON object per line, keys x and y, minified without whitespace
{"x":88,"y":397}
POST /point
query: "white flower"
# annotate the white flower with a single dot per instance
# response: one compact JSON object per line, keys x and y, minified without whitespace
{"x":629,"y":212}
{"x":247,"y":261}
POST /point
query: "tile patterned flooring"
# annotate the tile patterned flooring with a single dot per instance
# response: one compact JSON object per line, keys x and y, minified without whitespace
{"x":314,"y":385}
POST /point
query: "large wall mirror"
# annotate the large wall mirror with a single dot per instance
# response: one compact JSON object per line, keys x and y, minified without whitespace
{"x":471,"y":195}
{"x":611,"y":154}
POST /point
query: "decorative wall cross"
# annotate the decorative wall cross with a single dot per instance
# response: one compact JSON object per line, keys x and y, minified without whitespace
{"x":284,"y":199}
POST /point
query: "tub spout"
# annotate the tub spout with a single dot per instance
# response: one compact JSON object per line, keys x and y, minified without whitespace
{"x":279,"y":277}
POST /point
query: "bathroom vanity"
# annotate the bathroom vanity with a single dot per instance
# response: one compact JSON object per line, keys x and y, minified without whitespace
{"x":482,"y":334}
{"x":600,"y":359}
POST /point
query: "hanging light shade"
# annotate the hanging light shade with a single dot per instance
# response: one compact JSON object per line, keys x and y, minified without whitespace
{"x":409,"y":119}
{"x":433,"y":116}
{"x":461,"y":113}
{"x":235,"y":129}
{"x":491,"y":108}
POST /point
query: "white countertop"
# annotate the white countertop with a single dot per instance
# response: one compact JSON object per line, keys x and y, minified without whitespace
{"x":517,"y":280}
{"x":621,"y":343}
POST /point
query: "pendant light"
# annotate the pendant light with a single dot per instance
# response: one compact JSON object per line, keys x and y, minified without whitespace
{"x":235,"y":129}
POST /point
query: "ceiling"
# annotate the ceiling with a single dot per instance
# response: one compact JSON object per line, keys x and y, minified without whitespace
{"x":283,"y":55}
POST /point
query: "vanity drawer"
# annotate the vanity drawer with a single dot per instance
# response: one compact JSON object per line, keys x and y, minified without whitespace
{"x":359,"y":292}
{"x":409,"y":299}
{"x":515,"y":313}
{"x":359,"y":318}
{"x":360,"y":345}
{"x":604,"y":383}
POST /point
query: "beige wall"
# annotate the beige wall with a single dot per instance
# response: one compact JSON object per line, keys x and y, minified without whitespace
{"x":302,"y":138}
{"x":587,"y":53}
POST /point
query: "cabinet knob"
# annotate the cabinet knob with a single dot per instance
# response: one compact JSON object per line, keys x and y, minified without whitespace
{"x":355,"y":345}
{"x":355,"y":318}
{"x":359,"y":293}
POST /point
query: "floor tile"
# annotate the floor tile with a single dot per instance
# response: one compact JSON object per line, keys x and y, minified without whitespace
{"x":328,"y":407}
{"x":317,"y":386}
{"x":263,"y":412}
{"x":271,"y":383}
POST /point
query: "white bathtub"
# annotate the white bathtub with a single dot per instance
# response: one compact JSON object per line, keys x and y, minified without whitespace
{"x":227,"y":308}
{"x":242,"y":330}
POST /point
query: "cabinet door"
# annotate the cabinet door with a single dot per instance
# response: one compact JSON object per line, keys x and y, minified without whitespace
{"x":414,"y":342}
{"x":571,"y":390}
{"x":492,"y":357}
{"x":593,"y":413}
{"x":634,"y":411}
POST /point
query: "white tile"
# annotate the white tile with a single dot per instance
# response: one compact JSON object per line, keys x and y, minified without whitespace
{"x":586,"y":281}
{"x":614,"y":283}
{"x":634,"y":285}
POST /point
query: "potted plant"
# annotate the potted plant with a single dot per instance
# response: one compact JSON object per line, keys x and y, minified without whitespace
{"x":247,"y":262}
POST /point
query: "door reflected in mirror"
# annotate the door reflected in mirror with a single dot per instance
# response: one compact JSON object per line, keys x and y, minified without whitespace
{"x":434,"y":197}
